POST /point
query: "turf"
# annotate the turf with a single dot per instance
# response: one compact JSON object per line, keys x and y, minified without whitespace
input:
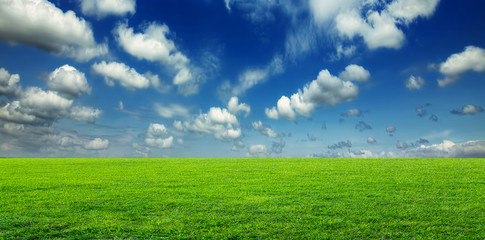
{"x":242,"y":198}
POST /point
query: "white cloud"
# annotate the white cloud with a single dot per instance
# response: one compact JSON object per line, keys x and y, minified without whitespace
{"x":68,"y":81}
{"x":326,"y":90}
{"x":255,"y":150}
{"x":219,"y":122}
{"x":103,"y":8}
{"x":228,"y":4}
{"x":283,"y":110}
{"x":9,"y":84}
{"x":468,"y":109}
{"x":44,"y":104}
{"x":409,"y":10}
{"x":265,"y":130}
{"x":121,"y":107}
{"x":235,"y":107}
{"x":414,"y":83}
{"x":472,"y":58}
{"x":97,"y":144}
{"x":155,"y":136}
{"x":355,"y":73}
{"x":86,"y":114}
{"x":446,"y":149}
{"x":154,"y":45}
{"x":171,"y":111}
{"x":126,"y":76}
{"x":41,"y":24}
{"x":390,"y":130}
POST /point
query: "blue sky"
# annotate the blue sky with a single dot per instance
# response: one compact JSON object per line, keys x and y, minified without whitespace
{"x":233,"y":78}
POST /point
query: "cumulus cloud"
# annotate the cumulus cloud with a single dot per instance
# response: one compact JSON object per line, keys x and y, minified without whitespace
{"x":171,"y":111}
{"x":218,"y":122}
{"x":13,"y":112}
{"x":414,"y":83}
{"x":97,"y":144}
{"x":468,"y":109}
{"x":471,"y":59}
{"x":257,"y":150}
{"x":265,"y":130}
{"x":401,"y":145}
{"x":154,"y":45}
{"x":123,"y":74}
{"x":103,"y":8}
{"x":379,"y":26}
{"x":68,"y":81}
{"x":326,"y":90}
{"x":156,"y":136}
{"x":371,"y":140}
{"x":355,"y":73}
{"x":446,"y":149}
{"x":235,"y":107}
{"x":283,"y":110}
{"x":41,"y":24}
{"x":44,"y":104}
{"x":9,"y":84}
{"x":352,"y":112}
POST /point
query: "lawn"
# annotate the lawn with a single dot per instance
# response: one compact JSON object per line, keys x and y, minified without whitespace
{"x":242,"y":198}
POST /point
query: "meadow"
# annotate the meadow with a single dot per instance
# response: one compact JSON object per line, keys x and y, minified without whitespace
{"x":242,"y":198}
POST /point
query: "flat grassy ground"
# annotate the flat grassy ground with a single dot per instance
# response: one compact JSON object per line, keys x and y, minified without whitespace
{"x":242,"y":198}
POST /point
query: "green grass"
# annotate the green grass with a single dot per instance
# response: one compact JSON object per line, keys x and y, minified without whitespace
{"x":242,"y":198}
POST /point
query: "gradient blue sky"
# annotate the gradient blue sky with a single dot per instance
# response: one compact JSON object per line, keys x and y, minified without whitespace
{"x":233,"y":78}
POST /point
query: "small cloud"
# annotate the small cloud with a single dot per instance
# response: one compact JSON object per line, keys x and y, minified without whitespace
{"x":265,"y":130}
{"x":257,"y":150}
{"x":171,"y":111}
{"x":467,"y":110}
{"x":97,"y":144}
{"x":340,"y":145}
{"x":362,"y":126}
{"x":391,"y":130}
{"x":277,"y":147}
{"x":471,"y":59}
{"x":402,"y":145}
{"x":433,"y":118}
{"x":371,"y":140}
{"x":421,"y":112}
{"x":421,"y":141}
{"x":414,"y":83}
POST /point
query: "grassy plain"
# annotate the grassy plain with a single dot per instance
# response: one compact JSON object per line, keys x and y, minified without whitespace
{"x":242,"y":198}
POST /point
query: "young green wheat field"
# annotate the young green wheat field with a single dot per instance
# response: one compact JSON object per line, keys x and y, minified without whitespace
{"x":242,"y":198}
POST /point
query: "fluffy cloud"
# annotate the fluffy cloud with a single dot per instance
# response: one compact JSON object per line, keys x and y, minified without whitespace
{"x":256,"y":150}
{"x":13,"y":112}
{"x":379,"y":24}
{"x":283,"y":110}
{"x":401,"y":145}
{"x":153,"y":45}
{"x":355,"y":73}
{"x":68,"y":81}
{"x":414,"y":83}
{"x":156,"y":136}
{"x":97,"y":144}
{"x":171,"y":111}
{"x":126,"y":76}
{"x":326,"y":90}
{"x":390,"y":130}
{"x":447,"y":149}
{"x":371,"y":140}
{"x":472,"y":58}
{"x":44,"y":104}
{"x":468,"y":110}
{"x":9,"y":84}
{"x":103,"y":8}
{"x":235,"y":107}
{"x":219,"y":122}
{"x":352,"y":112}
{"x":265,"y":130}
{"x":41,"y":24}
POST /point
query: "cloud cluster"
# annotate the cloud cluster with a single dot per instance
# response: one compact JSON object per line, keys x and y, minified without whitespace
{"x":103,"y":8}
{"x":340,"y":145}
{"x":154,"y":45}
{"x":471,"y":59}
{"x":40,"y":24}
{"x":219,"y":122}
{"x":157,"y":136}
{"x":9,"y":84}
{"x":326,"y":90}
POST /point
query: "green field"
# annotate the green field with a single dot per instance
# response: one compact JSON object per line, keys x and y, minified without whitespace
{"x":242,"y":198}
